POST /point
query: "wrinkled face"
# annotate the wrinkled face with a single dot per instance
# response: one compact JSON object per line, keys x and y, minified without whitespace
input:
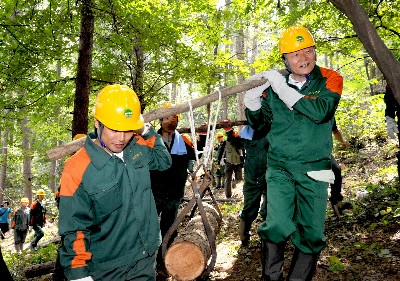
{"x":24,"y":204}
{"x":40,"y":197}
{"x":169,"y":123}
{"x":302,"y":62}
{"x":116,"y":141}
{"x":220,"y":139}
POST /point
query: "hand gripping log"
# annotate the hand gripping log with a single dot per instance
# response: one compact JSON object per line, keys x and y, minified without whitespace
{"x":178,"y":264}
{"x":71,"y":147}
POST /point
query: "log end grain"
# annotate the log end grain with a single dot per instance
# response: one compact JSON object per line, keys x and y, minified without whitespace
{"x":185,"y":261}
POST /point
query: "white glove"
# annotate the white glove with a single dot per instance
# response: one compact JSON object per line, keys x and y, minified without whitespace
{"x":322,"y":175}
{"x":144,"y":130}
{"x":88,"y":278}
{"x":252,"y":97}
{"x":278,"y":83}
{"x":391,"y":127}
{"x":222,"y":162}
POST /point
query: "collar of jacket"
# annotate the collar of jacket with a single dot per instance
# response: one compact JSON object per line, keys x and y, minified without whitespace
{"x":98,"y":156}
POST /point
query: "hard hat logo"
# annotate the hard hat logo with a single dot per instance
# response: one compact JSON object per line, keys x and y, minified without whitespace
{"x":299,"y":38}
{"x":128,"y":113}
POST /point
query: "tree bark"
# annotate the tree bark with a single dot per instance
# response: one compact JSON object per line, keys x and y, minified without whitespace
{"x":83,"y":76}
{"x":40,"y":269}
{"x":3,"y":170}
{"x":373,"y":44}
{"x":187,"y":257}
{"x":27,"y":155}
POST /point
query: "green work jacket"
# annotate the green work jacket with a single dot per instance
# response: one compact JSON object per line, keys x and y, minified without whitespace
{"x":108,"y":217}
{"x":301,"y":137}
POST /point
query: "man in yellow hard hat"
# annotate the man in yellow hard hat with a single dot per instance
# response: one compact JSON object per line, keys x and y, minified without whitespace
{"x":37,"y":217}
{"x":220,"y":165}
{"x":20,"y":224}
{"x":108,"y":218}
{"x":298,"y":108}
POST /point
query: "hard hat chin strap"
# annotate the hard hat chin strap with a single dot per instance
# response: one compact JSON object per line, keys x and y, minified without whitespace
{"x":99,"y":133}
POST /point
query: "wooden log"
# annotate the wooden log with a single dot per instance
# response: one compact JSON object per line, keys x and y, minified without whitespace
{"x":188,"y":255}
{"x":71,"y":147}
{"x":40,"y":269}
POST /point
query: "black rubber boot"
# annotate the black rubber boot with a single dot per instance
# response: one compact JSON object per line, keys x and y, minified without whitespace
{"x":244,"y":232}
{"x":303,"y":266}
{"x":272,"y":261}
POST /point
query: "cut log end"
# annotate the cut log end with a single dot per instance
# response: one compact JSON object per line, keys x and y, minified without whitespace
{"x":184,"y":261}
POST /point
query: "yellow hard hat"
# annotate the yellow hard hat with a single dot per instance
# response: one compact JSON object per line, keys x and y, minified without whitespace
{"x":78,"y":136}
{"x":25,"y":200}
{"x":40,"y":192}
{"x":295,"y":38}
{"x":118,"y":108}
{"x":220,"y":135}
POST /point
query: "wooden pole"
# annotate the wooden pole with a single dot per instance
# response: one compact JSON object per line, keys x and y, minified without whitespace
{"x":71,"y":147}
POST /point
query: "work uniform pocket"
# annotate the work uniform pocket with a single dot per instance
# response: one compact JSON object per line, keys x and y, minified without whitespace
{"x":107,"y":199}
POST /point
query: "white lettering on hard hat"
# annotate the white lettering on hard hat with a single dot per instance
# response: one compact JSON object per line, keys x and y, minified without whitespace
{"x":144,"y":252}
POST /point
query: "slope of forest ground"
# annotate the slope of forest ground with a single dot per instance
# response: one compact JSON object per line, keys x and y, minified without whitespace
{"x":362,"y":245}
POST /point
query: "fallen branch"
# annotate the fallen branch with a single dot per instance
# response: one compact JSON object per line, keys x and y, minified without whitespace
{"x":71,"y":147}
{"x":40,"y":269}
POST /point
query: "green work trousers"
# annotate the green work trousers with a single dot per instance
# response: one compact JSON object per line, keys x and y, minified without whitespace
{"x":167,"y":209}
{"x":296,"y":209}
{"x":39,"y":233}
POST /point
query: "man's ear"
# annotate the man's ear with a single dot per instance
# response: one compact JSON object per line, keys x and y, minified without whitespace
{"x":96,"y":123}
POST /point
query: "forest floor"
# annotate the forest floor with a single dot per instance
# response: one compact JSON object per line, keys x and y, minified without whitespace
{"x":363,"y":244}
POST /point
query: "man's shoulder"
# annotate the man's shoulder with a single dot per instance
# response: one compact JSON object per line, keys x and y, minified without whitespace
{"x":79,"y":160}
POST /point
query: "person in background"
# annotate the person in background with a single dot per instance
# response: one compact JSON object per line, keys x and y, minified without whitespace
{"x":168,"y":186}
{"x":392,"y":111}
{"x":233,"y":160}
{"x":5,"y":215}
{"x":37,"y":218}
{"x":220,"y":164}
{"x":299,"y":108}
{"x":108,"y":219}
{"x":20,"y":224}
{"x":336,"y":197}
{"x":255,"y":145}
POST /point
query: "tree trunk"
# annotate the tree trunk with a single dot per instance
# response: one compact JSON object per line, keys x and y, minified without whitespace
{"x":373,"y":44}
{"x":240,"y":55}
{"x":81,"y":103}
{"x":27,"y":158}
{"x":137,"y":72}
{"x":187,"y":257}
{"x":3,"y":171}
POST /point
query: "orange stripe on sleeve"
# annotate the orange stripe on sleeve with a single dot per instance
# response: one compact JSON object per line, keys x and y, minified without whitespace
{"x":80,"y":249}
{"x":149,"y":142}
{"x":74,"y":169}
{"x":334,"y":80}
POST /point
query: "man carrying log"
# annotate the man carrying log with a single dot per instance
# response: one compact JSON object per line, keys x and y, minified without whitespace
{"x":300,"y":108}
{"x":108,"y":218}
{"x":168,"y":186}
